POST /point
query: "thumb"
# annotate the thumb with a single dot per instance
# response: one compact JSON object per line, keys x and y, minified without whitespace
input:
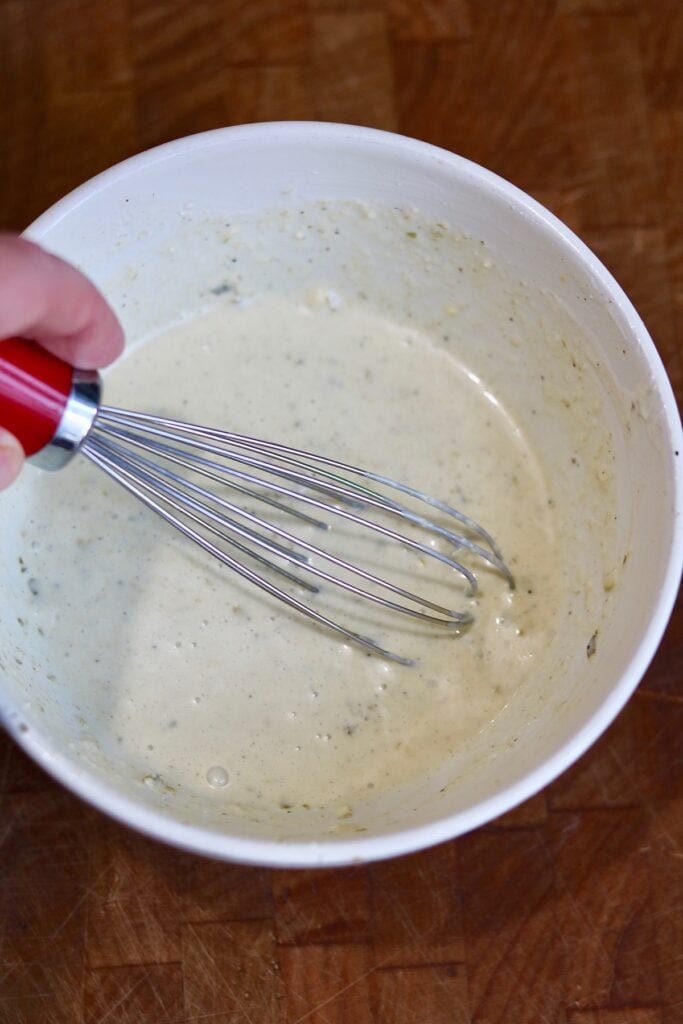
{"x":11,"y":458}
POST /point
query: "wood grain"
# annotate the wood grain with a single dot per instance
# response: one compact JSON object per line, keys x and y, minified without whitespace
{"x":516,"y":953}
{"x":414,"y":995}
{"x":230,"y":972}
{"x":326,"y":984}
{"x":321,"y":906}
{"x":569,"y":909}
{"x":133,"y":900}
{"x":416,"y":909}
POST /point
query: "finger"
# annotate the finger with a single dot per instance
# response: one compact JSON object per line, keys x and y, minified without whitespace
{"x":11,"y":458}
{"x":46,"y":299}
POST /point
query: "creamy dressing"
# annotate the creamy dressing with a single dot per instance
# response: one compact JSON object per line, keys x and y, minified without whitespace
{"x":209,"y":687}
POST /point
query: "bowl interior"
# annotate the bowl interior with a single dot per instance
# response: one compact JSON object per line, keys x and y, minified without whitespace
{"x":540,"y":323}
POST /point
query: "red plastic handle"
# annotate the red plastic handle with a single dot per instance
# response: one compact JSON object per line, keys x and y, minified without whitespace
{"x":34,"y":389}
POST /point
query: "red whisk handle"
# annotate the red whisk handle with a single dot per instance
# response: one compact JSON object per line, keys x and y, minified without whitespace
{"x":42,"y":400}
{"x":34,"y":390}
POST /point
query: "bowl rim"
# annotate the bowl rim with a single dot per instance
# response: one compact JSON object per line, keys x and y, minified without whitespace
{"x":364,"y":849}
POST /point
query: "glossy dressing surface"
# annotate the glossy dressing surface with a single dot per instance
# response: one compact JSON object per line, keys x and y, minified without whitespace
{"x":207,"y":686}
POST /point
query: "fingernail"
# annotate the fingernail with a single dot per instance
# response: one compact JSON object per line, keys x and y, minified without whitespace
{"x":11,"y":458}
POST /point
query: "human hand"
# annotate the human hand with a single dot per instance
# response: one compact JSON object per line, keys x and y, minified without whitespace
{"x":47,"y":300}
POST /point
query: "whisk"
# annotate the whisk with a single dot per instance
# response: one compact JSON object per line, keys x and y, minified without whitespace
{"x":55,"y":412}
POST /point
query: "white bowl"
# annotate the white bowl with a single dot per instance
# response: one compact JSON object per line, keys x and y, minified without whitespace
{"x":127,"y":228}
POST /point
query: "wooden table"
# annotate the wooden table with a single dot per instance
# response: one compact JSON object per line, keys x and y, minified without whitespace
{"x":569,"y":910}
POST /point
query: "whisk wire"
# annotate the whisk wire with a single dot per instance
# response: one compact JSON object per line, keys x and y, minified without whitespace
{"x":142,"y":469}
{"x":293,"y":456}
{"x":204,"y":466}
{"x":123,"y":478}
{"x":282,"y":478}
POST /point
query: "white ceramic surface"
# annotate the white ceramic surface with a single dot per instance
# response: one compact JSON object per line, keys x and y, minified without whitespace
{"x":132,"y":229}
